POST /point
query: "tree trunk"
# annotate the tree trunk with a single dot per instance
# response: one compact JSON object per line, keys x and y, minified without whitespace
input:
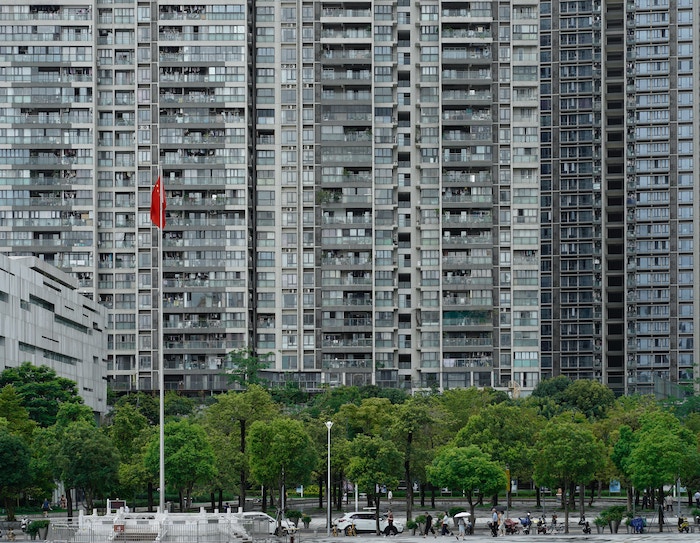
{"x":566,"y":499}
{"x":182,"y":502}
{"x":212,"y":498}
{"x":422,"y":495}
{"x":221,"y":499}
{"x":320,"y":491}
{"x":572,"y":495}
{"x":407,"y":476}
{"x":660,"y":501}
{"x":243,"y":477}
{"x":432,"y":496}
{"x":582,"y":501}
{"x":377,"y":497}
{"x":264,"y":499}
{"x":538,"y":497}
{"x":630,"y":498}
{"x":69,"y":501}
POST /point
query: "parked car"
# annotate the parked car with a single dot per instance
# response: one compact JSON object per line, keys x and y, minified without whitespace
{"x":364,"y":521}
{"x":256,"y":522}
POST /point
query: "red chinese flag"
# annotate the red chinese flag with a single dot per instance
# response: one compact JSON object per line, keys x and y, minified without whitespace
{"x":158,"y":205}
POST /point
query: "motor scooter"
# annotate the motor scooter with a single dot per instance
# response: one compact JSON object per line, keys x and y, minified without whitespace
{"x":585,"y":525}
{"x":542,"y":525}
{"x":526,"y":522}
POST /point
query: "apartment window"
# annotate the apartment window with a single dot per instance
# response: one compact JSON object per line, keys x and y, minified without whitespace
{"x":429,"y":13}
{"x":265,"y":34}
{"x":289,"y":14}
{"x":265,"y":75}
{"x":383,"y":13}
{"x":265,"y":54}
{"x":265,"y":13}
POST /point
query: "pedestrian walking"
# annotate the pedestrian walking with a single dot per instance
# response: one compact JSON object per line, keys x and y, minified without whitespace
{"x":446,"y":524}
{"x":668,"y":502}
{"x":429,"y":525}
{"x":461,"y":528}
{"x":494,"y":522}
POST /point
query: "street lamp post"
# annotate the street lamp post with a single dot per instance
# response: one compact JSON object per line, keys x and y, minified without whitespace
{"x":329,"y":424}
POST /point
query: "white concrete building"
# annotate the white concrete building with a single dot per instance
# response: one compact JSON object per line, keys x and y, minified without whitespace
{"x":46,"y":321}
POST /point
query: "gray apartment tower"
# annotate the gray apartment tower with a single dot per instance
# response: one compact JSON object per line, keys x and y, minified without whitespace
{"x":418,"y":194}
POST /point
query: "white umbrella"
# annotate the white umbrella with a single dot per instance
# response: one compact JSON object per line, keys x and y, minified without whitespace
{"x":463,"y":514}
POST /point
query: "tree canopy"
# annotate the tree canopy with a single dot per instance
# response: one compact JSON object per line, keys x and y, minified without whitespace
{"x":41,"y":391}
{"x":281,"y":453}
{"x":467,"y":469}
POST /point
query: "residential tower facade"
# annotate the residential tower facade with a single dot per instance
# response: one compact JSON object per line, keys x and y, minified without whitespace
{"x":417,"y":195}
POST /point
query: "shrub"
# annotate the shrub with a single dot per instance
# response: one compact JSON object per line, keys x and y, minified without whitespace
{"x":294,"y":516}
{"x":454,"y":510}
{"x":36,"y":525}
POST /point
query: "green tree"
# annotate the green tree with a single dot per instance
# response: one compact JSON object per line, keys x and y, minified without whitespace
{"x":177,"y":405}
{"x":568,"y":453}
{"x":589,"y":397}
{"x":373,"y":417}
{"x":227,"y":422}
{"x":188,"y":457}
{"x":280,"y":451}
{"x":661,"y":452}
{"x":394,"y":395}
{"x":616,"y":431}
{"x":130,"y":432}
{"x":127,"y":424}
{"x":505,"y":432}
{"x":41,"y":391}
{"x":412,"y":423}
{"x":246,"y":367}
{"x":73,"y":412}
{"x":462,"y":403}
{"x":12,"y":410}
{"x":290,"y":393}
{"x":552,"y":388}
{"x":147,"y":404}
{"x":328,"y":403}
{"x":468,"y":469}
{"x":373,"y":462}
{"x":15,"y":475}
{"x":86,"y":458}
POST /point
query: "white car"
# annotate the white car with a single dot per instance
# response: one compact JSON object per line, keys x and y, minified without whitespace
{"x":364,"y":521}
{"x":256,"y":522}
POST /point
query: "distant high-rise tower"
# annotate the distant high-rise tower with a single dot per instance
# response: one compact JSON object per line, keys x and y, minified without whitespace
{"x":419,"y":195}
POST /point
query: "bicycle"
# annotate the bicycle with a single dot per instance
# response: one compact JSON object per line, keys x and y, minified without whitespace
{"x":556,"y":527}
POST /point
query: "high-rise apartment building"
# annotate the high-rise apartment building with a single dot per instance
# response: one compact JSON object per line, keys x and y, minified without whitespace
{"x":430,"y":194}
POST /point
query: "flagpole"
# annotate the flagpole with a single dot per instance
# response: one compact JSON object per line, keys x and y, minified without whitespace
{"x":161,"y":357}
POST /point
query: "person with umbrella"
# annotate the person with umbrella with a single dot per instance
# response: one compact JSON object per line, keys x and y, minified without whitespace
{"x":464,"y":524}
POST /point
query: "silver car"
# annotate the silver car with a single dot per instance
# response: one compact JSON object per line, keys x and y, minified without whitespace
{"x":256,"y":522}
